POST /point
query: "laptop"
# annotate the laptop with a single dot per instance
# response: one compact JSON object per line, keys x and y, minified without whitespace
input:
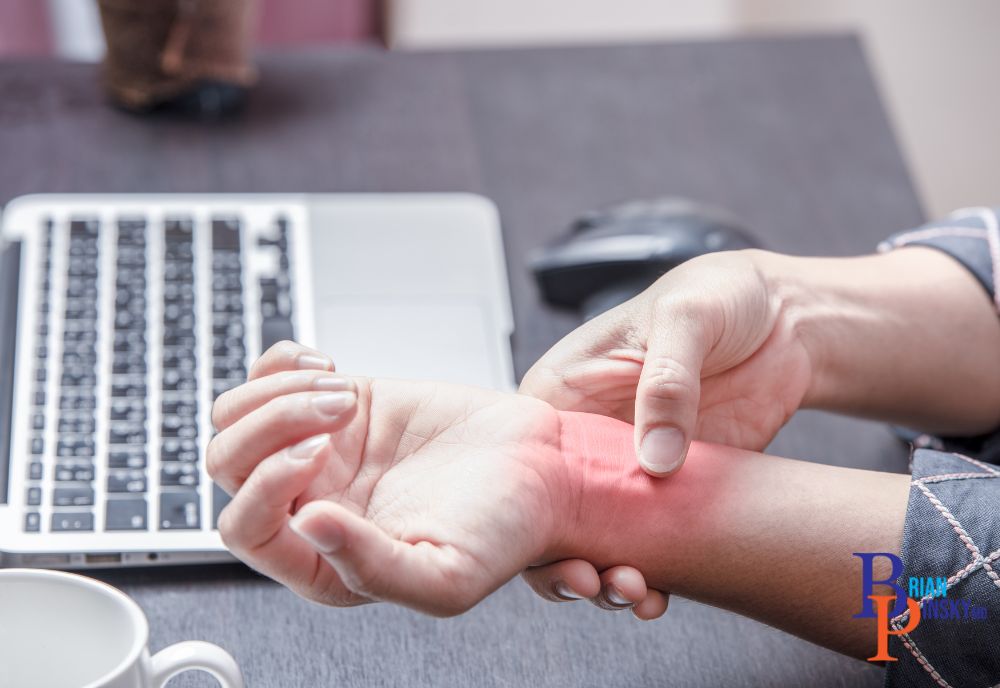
{"x":123,"y":317}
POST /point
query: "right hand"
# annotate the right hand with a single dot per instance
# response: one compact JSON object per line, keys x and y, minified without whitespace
{"x":709,"y":352}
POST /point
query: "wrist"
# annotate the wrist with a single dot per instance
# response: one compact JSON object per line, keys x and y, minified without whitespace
{"x":609,"y":497}
{"x":877,"y":329}
{"x":808,"y":308}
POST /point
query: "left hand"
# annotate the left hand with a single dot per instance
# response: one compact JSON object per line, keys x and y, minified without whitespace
{"x":424,"y":494}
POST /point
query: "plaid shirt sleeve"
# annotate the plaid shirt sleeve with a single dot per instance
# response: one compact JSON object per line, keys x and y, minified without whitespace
{"x":952,"y":527}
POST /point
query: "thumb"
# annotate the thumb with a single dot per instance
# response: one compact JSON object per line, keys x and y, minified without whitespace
{"x":669,"y":388}
{"x":424,"y":576}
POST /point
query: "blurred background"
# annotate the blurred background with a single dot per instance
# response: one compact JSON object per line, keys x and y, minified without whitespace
{"x":935,"y":62}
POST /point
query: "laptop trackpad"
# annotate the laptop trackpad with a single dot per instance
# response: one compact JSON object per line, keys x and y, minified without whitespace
{"x":439,"y":339}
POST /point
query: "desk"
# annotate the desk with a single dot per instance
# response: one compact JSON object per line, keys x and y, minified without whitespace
{"x":788,"y":134}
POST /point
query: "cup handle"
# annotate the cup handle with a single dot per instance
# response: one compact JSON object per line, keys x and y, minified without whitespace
{"x":195,"y":654}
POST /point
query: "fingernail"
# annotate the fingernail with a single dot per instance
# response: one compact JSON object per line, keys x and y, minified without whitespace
{"x":325,"y":538}
{"x":333,"y":383}
{"x":311,"y":362}
{"x":616,"y":597}
{"x":565,"y":592}
{"x":308,"y":449}
{"x":662,"y":450}
{"x":334,"y":403}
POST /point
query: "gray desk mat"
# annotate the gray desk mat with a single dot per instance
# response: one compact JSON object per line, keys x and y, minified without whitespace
{"x":787,"y":133}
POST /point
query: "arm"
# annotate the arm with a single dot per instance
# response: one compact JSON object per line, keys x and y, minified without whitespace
{"x":433,"y":495}
{"x":908,"y":336}
{"x":766,"y":537}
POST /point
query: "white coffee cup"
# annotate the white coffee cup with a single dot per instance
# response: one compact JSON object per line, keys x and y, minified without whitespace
{"x":60,"y":630}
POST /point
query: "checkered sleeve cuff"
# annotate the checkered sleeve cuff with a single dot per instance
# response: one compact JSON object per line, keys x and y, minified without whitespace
{"x":971,"y":236}
{"x":952,"y":531}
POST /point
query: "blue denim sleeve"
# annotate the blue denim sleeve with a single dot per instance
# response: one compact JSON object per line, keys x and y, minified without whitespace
{"x":952,"y":531}
{"x":970,"y":236}
{"x":952,"y":527}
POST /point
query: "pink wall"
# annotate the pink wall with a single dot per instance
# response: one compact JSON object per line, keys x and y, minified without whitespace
{"x":24,"y":24}
{"x":24,"y":28}
{"x":297,"y":22}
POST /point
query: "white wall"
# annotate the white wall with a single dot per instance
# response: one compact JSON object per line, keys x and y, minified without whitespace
{"x":935,"y":61}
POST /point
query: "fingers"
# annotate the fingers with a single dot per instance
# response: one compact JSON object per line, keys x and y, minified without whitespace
{"x":621,"y":588}
{"x":427,"y":577}
{"x":572,"y":579}
{"x":234,"y":453}
{"x":653,"y":607}
{"x":288,"y":355}
{"x":254,"y":525}
{"x":666,"y":403}
{"x":250,"y":396}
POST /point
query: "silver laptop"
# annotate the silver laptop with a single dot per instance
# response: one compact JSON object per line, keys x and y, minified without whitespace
{"x":122,"y":318}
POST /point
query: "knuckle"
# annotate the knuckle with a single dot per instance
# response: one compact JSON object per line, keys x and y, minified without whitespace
{"x":212,"y":456}
{"x":228,"y":530}
{"x":285,"y":406}
{"x":221,"y":407}
{"x":665,"y":378}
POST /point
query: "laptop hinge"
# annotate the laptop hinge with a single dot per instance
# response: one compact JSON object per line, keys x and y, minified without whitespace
{"x":10,"y":278}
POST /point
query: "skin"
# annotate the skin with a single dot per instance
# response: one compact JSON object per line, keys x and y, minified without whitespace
{"x":432,"y":496}
{"x":728,"y":346}
{"x":699,"y":352}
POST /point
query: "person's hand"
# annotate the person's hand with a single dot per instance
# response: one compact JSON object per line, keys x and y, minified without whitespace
{"x":350,"y":490}
{"x":708,"y":352}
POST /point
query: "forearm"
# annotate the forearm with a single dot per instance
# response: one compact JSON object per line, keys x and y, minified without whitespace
{"x":909,"y":336}
{"x":766,"y":537}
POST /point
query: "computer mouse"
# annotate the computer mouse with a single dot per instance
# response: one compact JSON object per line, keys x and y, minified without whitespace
{"x":611,"y":254}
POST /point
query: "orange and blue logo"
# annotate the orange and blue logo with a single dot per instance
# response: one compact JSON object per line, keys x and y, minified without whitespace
{"x":925,"y":598}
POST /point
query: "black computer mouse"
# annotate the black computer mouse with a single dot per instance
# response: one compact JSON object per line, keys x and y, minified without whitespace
{"x":612,"y":254}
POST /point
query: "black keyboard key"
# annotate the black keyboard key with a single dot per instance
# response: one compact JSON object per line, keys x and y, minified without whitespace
{"x":179,"y":408}
{"x":125,"y":514}
{"x":32,"y":522}
{"x":34,"y":496}
{"x":76,"y":425}
{"x":72,"y":521}
{"x":76,"y":473}
{"x":226,"y":234}
{"x":125,"y":409}
{"x":37,"y":446}
{"x":174,"y":474}
{"x":180,"y":510}
{"x":73,"y":496}
{"x":133,"y":457}
{"x":177,"y":449}
{"x":128,"y":389}
{"x":128,"y":480}
{"x":127,"y":435}
{"x":176,"y":426}
{"x":35,"y":470}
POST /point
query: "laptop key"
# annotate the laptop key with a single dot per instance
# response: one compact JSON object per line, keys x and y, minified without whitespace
{"x":32,"y":522}
{"x":72,"y":521}
{"x":125,"y":514}
{"x":34,"y":496}
{"x":35,"y":470}
{"x":128,"y":458}
{"x":74,"y":473}
{"x":128,"y":480}
{"x":73,"y":496}
{"x":178,"y":473}
{"x":180,"y":510}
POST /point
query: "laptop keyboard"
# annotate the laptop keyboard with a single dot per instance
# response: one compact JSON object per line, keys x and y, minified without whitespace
{"x":141,"y":373}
